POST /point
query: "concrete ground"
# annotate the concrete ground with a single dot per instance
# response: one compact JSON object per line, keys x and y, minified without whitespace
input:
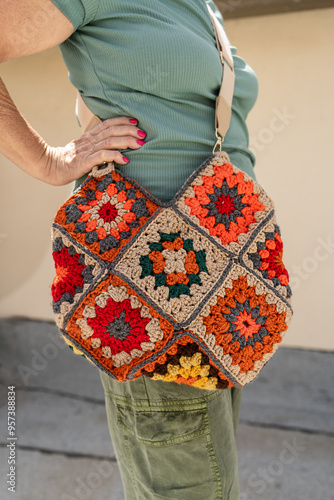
{"x":63,"y":451}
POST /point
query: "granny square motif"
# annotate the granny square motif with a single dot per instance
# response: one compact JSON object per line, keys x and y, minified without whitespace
{"x":192,"y":291}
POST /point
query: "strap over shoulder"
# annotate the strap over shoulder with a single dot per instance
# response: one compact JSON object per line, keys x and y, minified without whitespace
{"x":225,"y":96}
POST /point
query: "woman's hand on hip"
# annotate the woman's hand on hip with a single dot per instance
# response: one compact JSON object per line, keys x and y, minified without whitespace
{"x":22,"y":34}
{"x":62,"y":165}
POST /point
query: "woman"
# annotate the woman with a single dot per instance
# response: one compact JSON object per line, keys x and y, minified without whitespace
{"x":151,"y":71}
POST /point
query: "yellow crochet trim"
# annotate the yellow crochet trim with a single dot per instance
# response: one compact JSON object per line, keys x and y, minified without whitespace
{"x":76,"y":350}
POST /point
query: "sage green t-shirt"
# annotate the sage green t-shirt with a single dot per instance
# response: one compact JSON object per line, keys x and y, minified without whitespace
{"x":157,"y":61}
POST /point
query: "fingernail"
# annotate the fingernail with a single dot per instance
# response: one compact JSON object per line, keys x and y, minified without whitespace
{"x":141,"y":142}
{"x":125,"y":159}
{"x":133,"y":121}
{"x":141,"y":133}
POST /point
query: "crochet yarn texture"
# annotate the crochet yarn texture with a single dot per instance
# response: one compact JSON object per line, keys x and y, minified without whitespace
{"x":192,"y":291}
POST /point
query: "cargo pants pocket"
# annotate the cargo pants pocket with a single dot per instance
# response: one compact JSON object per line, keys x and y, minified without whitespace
{"x":169,"y":452}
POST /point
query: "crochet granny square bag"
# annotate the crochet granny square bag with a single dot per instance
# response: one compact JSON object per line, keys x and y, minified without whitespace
{"x":193,"y":290}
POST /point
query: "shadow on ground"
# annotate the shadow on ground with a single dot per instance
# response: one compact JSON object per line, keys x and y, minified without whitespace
{"x":63,"y":451}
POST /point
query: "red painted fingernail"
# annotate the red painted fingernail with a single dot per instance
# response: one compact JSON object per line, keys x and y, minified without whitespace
{"x":125,"y":159}
{"x":133,"y":120}
{"x":141,"y":133}
{"x":141,"y":142}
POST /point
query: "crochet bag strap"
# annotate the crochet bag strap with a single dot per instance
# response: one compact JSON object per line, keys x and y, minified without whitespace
{"x":224,"y":99}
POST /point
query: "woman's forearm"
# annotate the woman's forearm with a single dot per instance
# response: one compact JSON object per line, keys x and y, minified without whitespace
{"x":19,"y":142}
{"x":58,"y":166}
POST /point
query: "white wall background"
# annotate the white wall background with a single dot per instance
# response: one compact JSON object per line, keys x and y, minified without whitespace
{"x":290,"y":132}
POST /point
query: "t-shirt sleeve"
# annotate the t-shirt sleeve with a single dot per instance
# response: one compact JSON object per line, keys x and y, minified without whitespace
{"x":79,"y":12}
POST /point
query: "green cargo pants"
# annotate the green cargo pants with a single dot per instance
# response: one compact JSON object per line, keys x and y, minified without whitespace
{"x":173,"y":441}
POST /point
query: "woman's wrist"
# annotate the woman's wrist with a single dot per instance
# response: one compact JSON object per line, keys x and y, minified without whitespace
{"x":23,"y":146}
{"x":59,"y":166}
